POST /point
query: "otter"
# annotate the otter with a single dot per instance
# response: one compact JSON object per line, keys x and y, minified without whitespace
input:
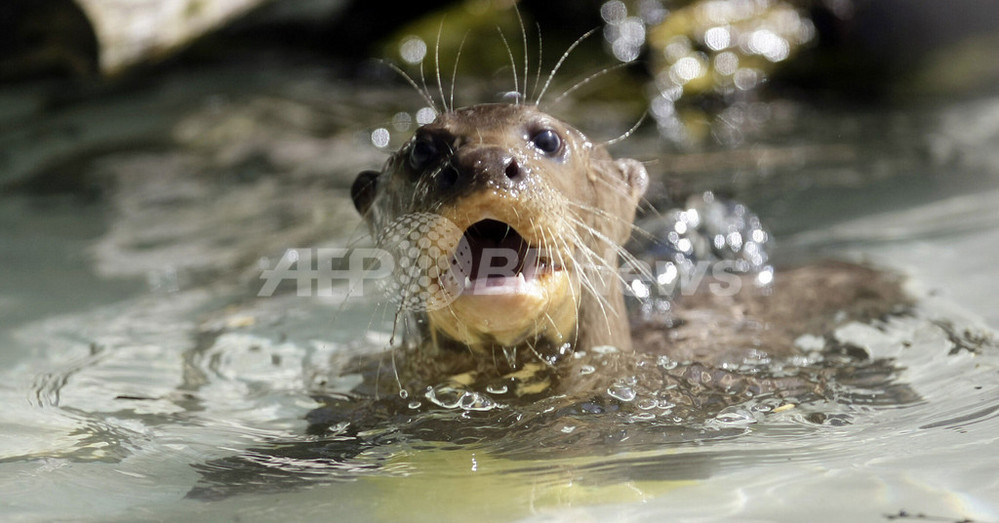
{"x":509,"y":175}
{"x":512,"y":178}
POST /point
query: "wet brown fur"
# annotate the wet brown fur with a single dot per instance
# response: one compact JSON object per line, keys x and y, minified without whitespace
{"x":599,"y":196}
{"x":579,"y":202}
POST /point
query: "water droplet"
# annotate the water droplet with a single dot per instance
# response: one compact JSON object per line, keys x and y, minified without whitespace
{"x":450,"y":397}
{"x":334,"y":430}
{"x":646,"y":403}
{"x":621,"y":392}
{"x":497,"y":389}
{"x":665,"y":404}
{"x":510,"y":355}
{"x":733,"y":416}
{"x":666,"y":363}
{"x":476,"y":401}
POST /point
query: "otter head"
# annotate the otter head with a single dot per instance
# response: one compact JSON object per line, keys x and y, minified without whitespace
{"x":541,"y":212}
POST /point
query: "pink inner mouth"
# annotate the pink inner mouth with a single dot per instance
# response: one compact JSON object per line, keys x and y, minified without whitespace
{"x":503,"y":262}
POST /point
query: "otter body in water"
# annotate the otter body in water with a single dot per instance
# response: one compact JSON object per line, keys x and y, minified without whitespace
{"x":521,"y":187}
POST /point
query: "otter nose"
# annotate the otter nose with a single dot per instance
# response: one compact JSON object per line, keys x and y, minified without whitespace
{"x":482,"y":166}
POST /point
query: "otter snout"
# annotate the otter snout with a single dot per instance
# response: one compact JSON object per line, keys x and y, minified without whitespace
{"x":478,"y":167}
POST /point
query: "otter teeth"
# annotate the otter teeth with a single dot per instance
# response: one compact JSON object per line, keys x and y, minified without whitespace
{"x":519,"y":284}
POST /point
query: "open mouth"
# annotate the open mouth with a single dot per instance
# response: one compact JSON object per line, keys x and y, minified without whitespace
{"x":514,"y":286}
{"x":502,"y":261}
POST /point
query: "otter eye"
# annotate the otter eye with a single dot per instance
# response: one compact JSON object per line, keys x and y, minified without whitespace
{"x":547,"y":141}
{"x":421,"y":154}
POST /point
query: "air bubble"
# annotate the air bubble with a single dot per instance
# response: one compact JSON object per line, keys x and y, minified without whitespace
{"x":497,"y":389}
{"x":621,"y":392}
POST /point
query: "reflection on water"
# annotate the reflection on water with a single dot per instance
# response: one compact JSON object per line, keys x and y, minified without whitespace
{"x":189,"y":397}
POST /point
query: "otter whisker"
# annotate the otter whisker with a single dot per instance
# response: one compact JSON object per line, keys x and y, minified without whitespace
{"x":603,"y":213}
{"x":523,"y":34}
{"x":549,"y":243}
{"x":622,"y":189}
{"x":399,"y":314}
{"x":561,"y":60}
{"x":437,"y":64}
{"x":543,"y":245}
{"x":609,"y":216}
{"x":454,"y":72}
{"x":416,"y":193}
{"x":617,"y":186}
{"x":587,"y":80}
{"x":594,"y":262}
{"x":516,"y":213}
{"x":562,"y":262}
{"x":513,"y":63}
{"x":537,"y":73}
{"x":618,"y":250}
{"x":423,"y":92}
{"x":629,"y":132}
{"x":600,"y":295}
{"x":631,"y":228}
{"x":395,"y":369}
{"x":604,"y":307}
{"x":644,"y":204}
{"x":627,"y":256}
{"x":549,"y":240}
{"x":423,"y":80}
{"x":457,"y":321}
{"x":395,"y":323}
{"x":359,"y":233}
{"x":534,"y":350}
{"x":583,"y":274}
{"x":349,"y":294}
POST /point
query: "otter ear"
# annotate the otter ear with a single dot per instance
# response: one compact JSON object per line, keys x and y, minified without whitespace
{"x":634,"y":173}
{"x":364,"y":189}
